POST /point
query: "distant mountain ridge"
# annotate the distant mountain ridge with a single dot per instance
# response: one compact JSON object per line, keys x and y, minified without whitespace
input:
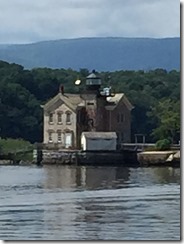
{"x":102,"y":54}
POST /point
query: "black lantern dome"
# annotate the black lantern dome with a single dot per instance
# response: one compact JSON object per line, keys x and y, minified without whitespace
{"x":93,"y":82}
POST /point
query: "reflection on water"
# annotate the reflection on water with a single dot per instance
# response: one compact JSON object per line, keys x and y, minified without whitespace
{"x":85,"y":177}
{"x":89,"y":203}
{"x":96,"y":178}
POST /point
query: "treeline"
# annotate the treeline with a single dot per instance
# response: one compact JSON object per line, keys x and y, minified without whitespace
{"x":155,"y":95}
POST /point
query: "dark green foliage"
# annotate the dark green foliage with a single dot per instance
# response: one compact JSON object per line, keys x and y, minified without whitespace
{"x":21,"y":115}
{"x":155,"y":95}
{"x":10,"y":145}
{"x":18,"y":148}
{"x":163,"y":144}
{"x":166,"y":113}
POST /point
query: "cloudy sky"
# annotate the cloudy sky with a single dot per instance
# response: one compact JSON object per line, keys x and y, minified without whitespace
{"x":25,"y":21}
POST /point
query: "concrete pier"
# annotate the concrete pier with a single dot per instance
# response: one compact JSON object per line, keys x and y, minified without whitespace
{"x":150,"y":158}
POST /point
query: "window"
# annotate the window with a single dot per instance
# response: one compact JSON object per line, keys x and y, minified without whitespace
{"x":68,"y":139}
{"x":59,"y":118}
{"x":50,"y":136}
{"x":118,"y":117}
{"x":51,"y":118}
{"x":59,"y":139}
{"x":68,"y":117}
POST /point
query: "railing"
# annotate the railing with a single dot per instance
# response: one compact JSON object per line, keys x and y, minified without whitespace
{"x":136,"y":146}
{"x":144,"y":146}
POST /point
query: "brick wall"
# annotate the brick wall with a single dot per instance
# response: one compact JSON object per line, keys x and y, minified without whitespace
{"x":120,"y":121}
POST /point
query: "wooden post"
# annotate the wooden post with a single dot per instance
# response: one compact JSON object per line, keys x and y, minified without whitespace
{"x":39,"y":154}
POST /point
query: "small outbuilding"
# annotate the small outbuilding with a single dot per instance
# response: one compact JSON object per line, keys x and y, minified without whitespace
{"x":96,"y":141}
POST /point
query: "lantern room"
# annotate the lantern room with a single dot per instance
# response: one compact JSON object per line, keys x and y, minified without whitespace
{"x":93,"y":82}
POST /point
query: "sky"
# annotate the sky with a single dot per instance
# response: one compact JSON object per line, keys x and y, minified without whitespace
{"x":28,"y":21}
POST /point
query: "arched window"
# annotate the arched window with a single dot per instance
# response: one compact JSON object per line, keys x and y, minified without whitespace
{"x":51,"y":119}
{"x":59,"y":136}
{"x":68,"y":117}
{"x":59,"y":117}
{"x":50,"y":136}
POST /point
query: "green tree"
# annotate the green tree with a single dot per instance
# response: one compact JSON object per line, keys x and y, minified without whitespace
{"x":166,"y":114}
{"x":22,"y":91}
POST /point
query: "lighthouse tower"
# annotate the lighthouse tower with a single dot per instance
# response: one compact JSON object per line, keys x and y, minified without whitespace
{"x":93,"y":82}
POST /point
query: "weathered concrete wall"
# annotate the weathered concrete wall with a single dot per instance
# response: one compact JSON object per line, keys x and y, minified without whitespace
{"x":5,"y":162}
{"x":154,"y":157}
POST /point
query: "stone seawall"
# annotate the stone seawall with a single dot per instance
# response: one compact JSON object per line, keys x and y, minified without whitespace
{"x":58,"y":157}
{"x":88,"y":157}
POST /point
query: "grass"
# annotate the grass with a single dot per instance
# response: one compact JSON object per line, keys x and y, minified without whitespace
{"x":23,"y":150}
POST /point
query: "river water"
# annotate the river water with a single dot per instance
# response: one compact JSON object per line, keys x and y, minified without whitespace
{"x":89,"y":203}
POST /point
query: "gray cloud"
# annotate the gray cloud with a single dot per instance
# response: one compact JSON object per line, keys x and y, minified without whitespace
{"x":30,"y":21}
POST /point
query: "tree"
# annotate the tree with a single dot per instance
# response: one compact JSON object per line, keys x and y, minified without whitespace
{"x":167,"y":117}
{"x":22,"y":91}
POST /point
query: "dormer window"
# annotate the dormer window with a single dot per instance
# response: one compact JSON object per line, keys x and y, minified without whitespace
{"x":51,"y":120}
{"x":68,"y":117}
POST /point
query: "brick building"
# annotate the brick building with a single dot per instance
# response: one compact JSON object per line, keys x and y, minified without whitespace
{"x":66,"y":115}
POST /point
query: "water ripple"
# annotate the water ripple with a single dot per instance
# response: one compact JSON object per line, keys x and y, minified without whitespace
{"x":86,"y":203}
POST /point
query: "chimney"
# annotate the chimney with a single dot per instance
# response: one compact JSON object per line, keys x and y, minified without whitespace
{"x":61,"y":89}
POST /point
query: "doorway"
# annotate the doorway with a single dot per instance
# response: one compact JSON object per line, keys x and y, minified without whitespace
{"x":68,"y":139}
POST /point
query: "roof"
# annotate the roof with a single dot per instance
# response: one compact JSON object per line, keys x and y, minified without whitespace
{"x":92,"y":76}
{"x":114,"y":101}
{"x":99,"y":135}
{"x":87,"y":96}
{"x":71,"y":100}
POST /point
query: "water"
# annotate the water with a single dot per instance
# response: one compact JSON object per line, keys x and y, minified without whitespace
{"x":89,"y":203}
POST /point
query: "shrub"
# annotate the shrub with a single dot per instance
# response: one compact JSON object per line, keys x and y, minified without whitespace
{"x":163,"y":144}
{"x":10,"y":145}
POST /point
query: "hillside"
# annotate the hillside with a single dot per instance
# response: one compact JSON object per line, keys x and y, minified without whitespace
{"x":102,"y":54}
